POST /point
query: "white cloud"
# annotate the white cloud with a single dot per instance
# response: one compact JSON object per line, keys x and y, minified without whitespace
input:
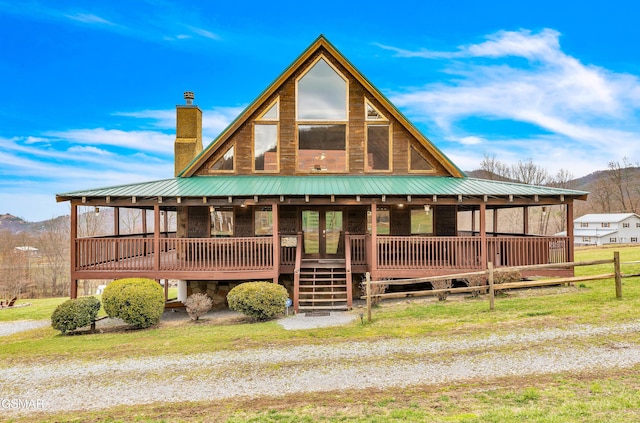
{"x":585,"y":107}
{"x":133,"y":140}
{"x":89,"y":150}
{"x":214,"y":121}
{"x":89,"y":18}
{"x":204,"y":33}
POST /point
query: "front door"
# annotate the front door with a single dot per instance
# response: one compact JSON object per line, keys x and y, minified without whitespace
{"x":323,"y":235}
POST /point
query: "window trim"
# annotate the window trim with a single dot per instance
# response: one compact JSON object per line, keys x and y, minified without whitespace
{"x":297,"y":91}
{"x":220,"y":156}
{"x":299,"y":122}
{"x":366,"y":146}
{"x":423,"y":172}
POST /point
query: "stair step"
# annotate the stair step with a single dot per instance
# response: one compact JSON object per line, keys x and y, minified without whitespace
{"x":342,"y":286}
{"x":322,"y":300}
{"x":303,"y":308}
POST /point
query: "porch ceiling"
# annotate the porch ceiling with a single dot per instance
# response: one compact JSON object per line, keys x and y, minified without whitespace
{"x":319,"y":185}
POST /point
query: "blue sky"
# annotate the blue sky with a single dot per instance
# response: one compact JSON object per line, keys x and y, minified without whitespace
{"x":89,"y":88}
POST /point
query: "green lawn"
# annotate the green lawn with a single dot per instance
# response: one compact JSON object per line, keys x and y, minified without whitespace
{"x":613,"y":396}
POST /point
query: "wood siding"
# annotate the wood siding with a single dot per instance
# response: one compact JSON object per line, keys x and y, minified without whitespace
{"x":242,"y":138}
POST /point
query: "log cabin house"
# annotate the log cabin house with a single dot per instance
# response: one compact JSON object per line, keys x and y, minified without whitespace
{"x":316,"y":182}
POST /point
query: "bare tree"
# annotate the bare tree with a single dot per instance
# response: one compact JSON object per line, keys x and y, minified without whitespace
{"x":53,"y":243}
{"x":623,"y":186}
{"x":562,"y":179}
{"x":494,"y":169}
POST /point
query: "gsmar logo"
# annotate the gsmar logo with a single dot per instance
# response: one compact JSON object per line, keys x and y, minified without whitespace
{"x":21,"y":404}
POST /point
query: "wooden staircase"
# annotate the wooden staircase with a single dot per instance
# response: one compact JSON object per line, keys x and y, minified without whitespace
{"x":323,"y":285}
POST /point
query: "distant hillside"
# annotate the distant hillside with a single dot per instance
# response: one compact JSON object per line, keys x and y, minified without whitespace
{"x":15,"y":225}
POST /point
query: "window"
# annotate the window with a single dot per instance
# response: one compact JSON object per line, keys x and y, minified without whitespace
{"x":224,"y":163}
{"x":321,"y":111}
{"x":322,"y":148}
{"x":612,"y":239}
{"x":265,"y":147}
{"x":378,"y":140}
{"x":421,"y":222}
{"x":634,"y":239}
{"x":625,"y":225}
{"x":263,"y":222}
{"x":638,"y":225}
{"x":265,"y":140}
{"x":322,"y":94}
{"x":584,"y":225}
{"x":383,"y":218}
{"x":417,"y":162}
{"x":222,"y":221}
{"x":586,"y":239}
{"x":605,"y":224}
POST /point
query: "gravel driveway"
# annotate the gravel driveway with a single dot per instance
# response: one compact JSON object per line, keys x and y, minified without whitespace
{"x":284,"y":370}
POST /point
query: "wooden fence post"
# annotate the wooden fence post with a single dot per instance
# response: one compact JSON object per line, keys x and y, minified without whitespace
{"x":491,"y":289}
{"x":618,"y":277}
{"x":368,"y":284}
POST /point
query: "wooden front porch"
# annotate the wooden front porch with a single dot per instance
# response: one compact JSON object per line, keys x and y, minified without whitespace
{"x":250,"y":258}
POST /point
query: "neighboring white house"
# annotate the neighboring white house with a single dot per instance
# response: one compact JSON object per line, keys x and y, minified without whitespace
{"x":607,"y":228}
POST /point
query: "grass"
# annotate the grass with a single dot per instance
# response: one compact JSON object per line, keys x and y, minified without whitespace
{"x":614,"y":396}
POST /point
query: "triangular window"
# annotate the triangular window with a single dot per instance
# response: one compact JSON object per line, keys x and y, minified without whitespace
{"x":418,"y":162}
{"x":373,"y":113}
{"x":271,"y":114}
{"x":224,"y":163}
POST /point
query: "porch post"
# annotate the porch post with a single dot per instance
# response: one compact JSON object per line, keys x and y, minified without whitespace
{"x":374,"y":241}
{"x":116,"y":231}
{"x":483,"y":235}
{"x":276,"y":242}
{"x":495,"y":221}
{"x":570,"y":234}
{"x":473,"y":221}
{"x":525,"y":219}
{"x":156,"y":237}
{"x":116,"y":221}
{"x":73,"y":250}
{"x":144,"y":221}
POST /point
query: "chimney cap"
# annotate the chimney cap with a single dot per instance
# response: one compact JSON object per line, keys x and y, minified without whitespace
{"x":189,"y":96}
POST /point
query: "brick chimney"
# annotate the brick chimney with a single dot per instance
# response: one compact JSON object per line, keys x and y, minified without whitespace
{"x":188,"y":133}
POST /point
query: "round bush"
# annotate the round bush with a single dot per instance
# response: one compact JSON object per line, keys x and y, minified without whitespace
{"x":137,"y":301}
{"x":75,"y":313}
{"x":260,"y":300}
{"x":198,"y":305}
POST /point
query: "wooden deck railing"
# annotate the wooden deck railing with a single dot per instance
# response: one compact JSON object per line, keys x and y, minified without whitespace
{"x":216,"y":254}
{"x":410,"y":252}
{"x":176,"y":254}
{"x":358,"y":247}
{"x":114,"y":253}
{"x":524,"y":251}
{"x":414,"y":252}
{"x":256,"y":253}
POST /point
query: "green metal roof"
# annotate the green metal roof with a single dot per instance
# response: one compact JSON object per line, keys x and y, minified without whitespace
{"x":318,"y":185}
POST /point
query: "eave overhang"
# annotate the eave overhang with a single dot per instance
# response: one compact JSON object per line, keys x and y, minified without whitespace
{"x":350,"y":189}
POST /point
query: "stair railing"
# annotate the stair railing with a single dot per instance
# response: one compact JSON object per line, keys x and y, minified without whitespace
{"x":296,"y":273}
{"x":347,"y":263}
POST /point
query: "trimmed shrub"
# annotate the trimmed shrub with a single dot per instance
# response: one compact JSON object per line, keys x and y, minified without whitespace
{"x":376,"y":288}
{"x":476,"y":280}
{"x":75,"y":313}
{"x":198,"y":305}
{"x":260,"y":300}
{"x":137,"y":301}
{"x":442,"y":284}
